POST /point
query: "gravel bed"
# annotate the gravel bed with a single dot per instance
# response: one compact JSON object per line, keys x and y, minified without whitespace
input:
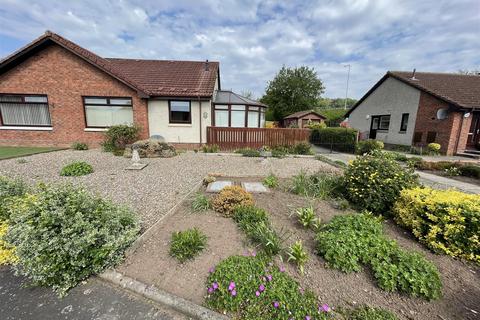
{"x":158,"y":187}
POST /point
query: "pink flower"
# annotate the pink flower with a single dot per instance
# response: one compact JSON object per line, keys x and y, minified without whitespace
{"x":234,"y":292}
{"x":282,"y":269}
{"x":276,"y":304}
{"x":261,"y":288}
{"x":254,"y":253}
{"x":325,"y":308}
{"x":231,"y":286}
{"x":215,"y":286}
{"x":210,"y":290}
{"x":307,"y":318}
{"x":211,"y":270}
{"x":269,"y":277}
{"x":302,"y":291}
{"x":257,"y":293}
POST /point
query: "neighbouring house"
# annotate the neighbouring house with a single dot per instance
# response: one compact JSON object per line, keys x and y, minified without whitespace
{"x":302,"y":118}
{"x":54,"y":92}
{"x":417,"y":108}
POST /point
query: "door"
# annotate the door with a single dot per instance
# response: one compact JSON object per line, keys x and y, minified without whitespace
{"x":374,"y":127}
{"x":473,"y":141}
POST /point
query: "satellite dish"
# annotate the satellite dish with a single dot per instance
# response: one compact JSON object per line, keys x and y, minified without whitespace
{"x":466,"y":114}
{"x":442,"y":114}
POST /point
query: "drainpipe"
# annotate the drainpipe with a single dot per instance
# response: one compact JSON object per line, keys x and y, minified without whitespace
{"x":200,"y":114}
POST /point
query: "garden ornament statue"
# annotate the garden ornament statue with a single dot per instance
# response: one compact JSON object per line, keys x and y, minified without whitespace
{"x":136,"y":164}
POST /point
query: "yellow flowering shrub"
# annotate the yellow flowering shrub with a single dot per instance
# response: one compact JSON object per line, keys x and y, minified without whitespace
{"x":7,"y":252}
{"x":231,"y":197}
{"x":447,"y":221}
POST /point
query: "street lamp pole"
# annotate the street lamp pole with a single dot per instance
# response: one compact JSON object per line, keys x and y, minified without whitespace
{"x":348,"y":79}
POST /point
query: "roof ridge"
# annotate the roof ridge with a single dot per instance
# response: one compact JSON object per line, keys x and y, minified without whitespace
{"x":165,"y":60}
{"x":434,"y":72}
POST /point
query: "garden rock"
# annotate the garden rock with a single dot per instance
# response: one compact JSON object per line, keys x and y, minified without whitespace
{"x":151,"y":148}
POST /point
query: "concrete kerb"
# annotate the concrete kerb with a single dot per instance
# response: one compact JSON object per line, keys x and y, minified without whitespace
{"x":151,"y":292}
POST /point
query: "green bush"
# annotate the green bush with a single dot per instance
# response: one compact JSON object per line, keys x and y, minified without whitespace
{"x":280,"y":151}
{"x":63,"y":235}
{"x":320,"y":185}
{"x":472,"y":171}
{"x":229,"y":198}
{"x":370,"y":313}
{"x":10,"y":190}
{"x":79,"y":146}
{"x":248,"y":152}
{"x":349,"y":241}
{"x":210,"y":148}
{"x":302,"y":148}
{"x":117,"y":137}
{"x":374,"y":183}
{"x":254,"y":288}
{"x":271,"y":181}
{"x":187,"y":244}
{"x":200,"y":203}
{"x":76,"y":169}
{"x":397,"y":156}
{"x":434,"y":148}
{"x":256,"y":225}
{"x":339,"y":139}
{"x":368,"y":146}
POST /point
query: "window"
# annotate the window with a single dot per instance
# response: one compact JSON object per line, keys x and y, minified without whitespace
{"x":239,"y":116}
{"x":384,"y":122}
{"x":180,"y":112}
{"x":24,"y":110}
{"x":404,"y":123}
{"x":103,"y":112}
{"x":221,"y":116}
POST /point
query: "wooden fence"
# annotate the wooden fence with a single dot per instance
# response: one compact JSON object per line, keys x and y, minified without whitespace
{"x":236,"y":138}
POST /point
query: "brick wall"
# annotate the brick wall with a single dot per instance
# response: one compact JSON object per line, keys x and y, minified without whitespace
{"x":64,"y":78}
{"x":447,"y":130}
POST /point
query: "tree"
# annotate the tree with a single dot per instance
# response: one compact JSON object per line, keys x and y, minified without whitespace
{"x":293,"y":90}
{"x":474,"y":72}
{"x":247,"y":94}
{"x":335,"y":103}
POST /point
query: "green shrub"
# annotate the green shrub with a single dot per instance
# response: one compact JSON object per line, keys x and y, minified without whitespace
{"x":320,"y":185}
{"x":63,"y":235}
{"x":434,"y":148}
{"x":370,"y":313}
{"x":117,"y":137}
{"x":229,"y":198}
{"x":373,"y":183}
{"x":76,"y":169}
{"x":79,"y":146}
{"x":298,"y":255}
{"x":271,"y":181}
{"x":302,"y":148}
{"x":415,"y":162}
{"x":397,"y":156}
{"x":254,"y":288}
{"x":339,"y":139}
{"x":368,"y":146}
{"x":307,"y":218}
{"x":210,"y":148}
{"x":187,"y":244}
{"x":349,"y":241}
{"x":447,"y":221}
{"x":254,"y":222}
{"x":316,"y":125}
{"x":200,"y":203}
{"x":10,"y":190}
{"x":452,"y":171}
{"x":248,"y":152}
{"x":472,"y":171}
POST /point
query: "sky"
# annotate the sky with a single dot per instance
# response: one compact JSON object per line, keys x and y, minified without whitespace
{"x":252,"y":39}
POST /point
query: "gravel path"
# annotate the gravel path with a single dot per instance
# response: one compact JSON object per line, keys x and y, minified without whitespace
{"x":158,"y":187}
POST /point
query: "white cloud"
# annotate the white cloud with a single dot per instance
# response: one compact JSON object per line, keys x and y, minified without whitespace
{"x":253,"y":39}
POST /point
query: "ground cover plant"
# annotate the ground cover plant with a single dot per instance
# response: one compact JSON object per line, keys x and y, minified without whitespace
{"x":350,"y":241}
{"x":200,"y":203}
{"x":210,"y":148}
{"x":446,"y":221}
{"x":248,"y":152}
{"x":373,"y":183}
{"x":256,"y":225}
{"x":79,"y":146}
{"x":254,"y":288}
{"x":187,"y":244}
{"x":319,"y":185}
{"x":7,"y":251}
{"x":10,"y":190}
{"x":63,"y":234}
{"x":229,"y":198}
{"x":271,"y":181}
{"x":76,"y":169}
{"x":370,"y":313}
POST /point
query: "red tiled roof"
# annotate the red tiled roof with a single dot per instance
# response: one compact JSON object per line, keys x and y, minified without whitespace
{"x":148,"y":77}
{"x":300,"y":114}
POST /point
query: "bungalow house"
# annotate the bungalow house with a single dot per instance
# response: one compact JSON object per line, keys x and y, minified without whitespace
{"x":54,"y":92}
{"x":418,"y":108}
{"x":302,"y":118}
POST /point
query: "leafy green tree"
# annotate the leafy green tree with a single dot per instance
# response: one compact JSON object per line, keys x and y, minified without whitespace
{"x":293,"y":90}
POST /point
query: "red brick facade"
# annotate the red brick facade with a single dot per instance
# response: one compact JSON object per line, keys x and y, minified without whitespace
{"x":451,"y":133}
{"x":65,"y":78}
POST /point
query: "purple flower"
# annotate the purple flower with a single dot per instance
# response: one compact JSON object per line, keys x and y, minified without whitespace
{"x":325,"y":308}
{"x":307,"y":318}
{"x":215,"y":286}
{"x":302,"y":291}
{"x":211,"y":270}
{"x":231,"y":286}
{"x":261,"y":288}
{"x":234,"y":292}
{"x":210,"y":290}
{"x":254,"y":253}
{"x":257,"y":293}
{"x":282,"y":269}
{"x":276,"y":304}
{"x":269,"y":277}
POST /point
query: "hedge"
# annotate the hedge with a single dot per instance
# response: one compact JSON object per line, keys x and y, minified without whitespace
{"x":339,"y":139}
{"x":446,"y":221}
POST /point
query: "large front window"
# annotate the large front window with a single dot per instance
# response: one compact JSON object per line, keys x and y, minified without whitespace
{"x":24,"y":110}
{"x":180,"y":112}
{"x":239,"y":116}
{"x":103,"y":112}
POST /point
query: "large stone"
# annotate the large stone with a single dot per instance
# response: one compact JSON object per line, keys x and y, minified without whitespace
{"x":151,"y":148}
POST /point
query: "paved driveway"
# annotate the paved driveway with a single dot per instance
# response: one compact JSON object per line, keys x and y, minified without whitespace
{"x":93,"y":300}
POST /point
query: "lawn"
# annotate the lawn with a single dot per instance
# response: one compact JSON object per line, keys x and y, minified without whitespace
{"x":14,"y":152}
